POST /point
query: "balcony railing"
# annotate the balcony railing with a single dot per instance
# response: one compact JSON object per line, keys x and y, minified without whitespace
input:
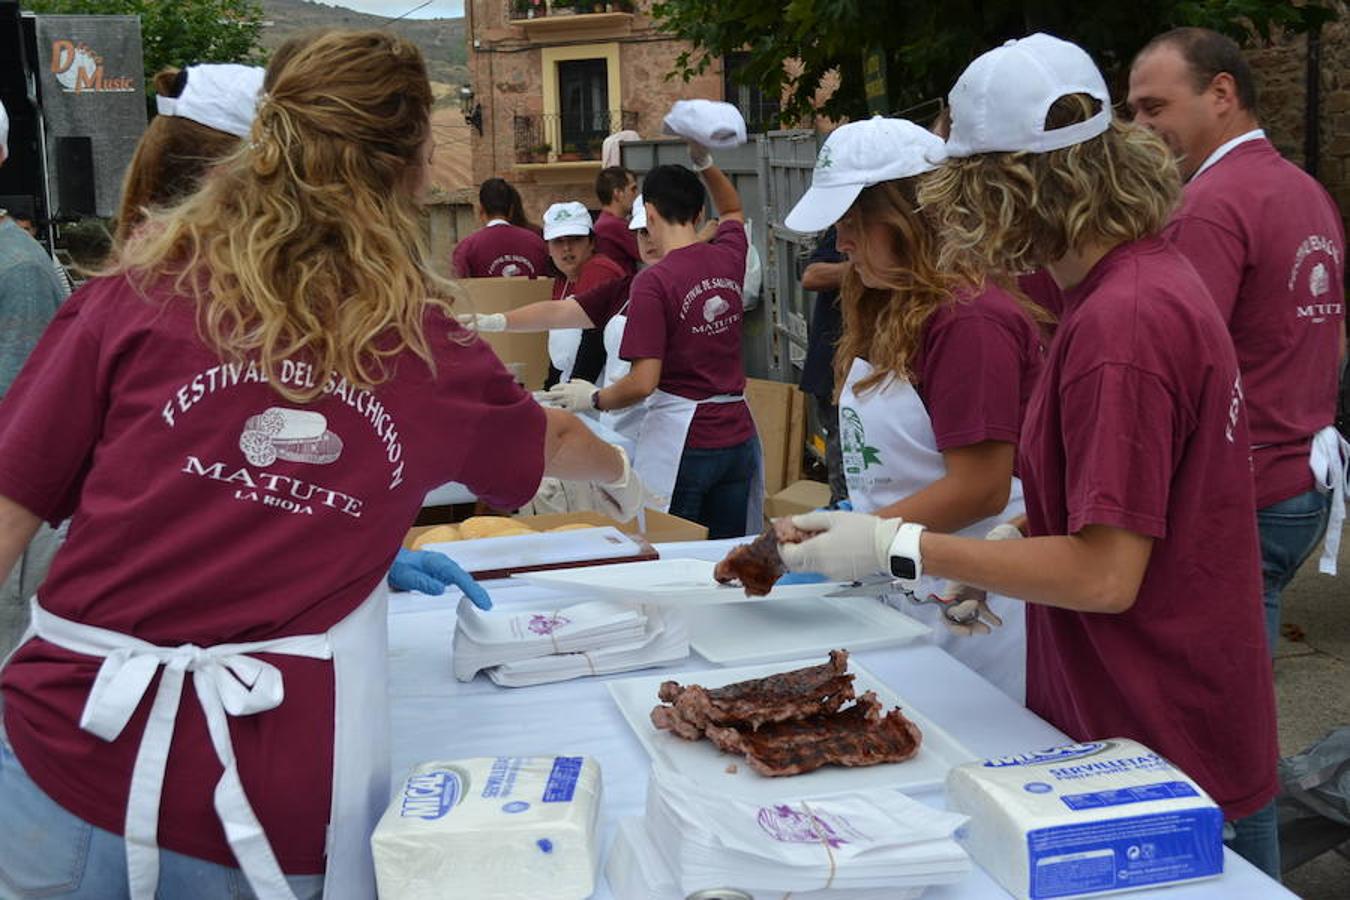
{"x":568,"y":136}
{"x":540,"y":9}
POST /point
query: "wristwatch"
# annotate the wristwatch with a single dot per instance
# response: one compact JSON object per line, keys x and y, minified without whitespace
{"x":906,"y":562}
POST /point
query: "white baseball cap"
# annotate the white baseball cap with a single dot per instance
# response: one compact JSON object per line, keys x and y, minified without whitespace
{"x":223,"y":96}
{"x":711,"y":123}
{"x":638,"y":220}
{"x":4,"y":133}
{"x":1000,"y":101}
{"x":859,"y":155}
{"x":563,"y":219}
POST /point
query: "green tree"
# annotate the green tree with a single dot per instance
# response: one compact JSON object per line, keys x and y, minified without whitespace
{"x":793,"y":45}
{"x":179,"y":32}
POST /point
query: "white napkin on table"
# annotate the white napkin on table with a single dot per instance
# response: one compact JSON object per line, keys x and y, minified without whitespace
{"x":665,"y":640}
{"x":490,"y":638}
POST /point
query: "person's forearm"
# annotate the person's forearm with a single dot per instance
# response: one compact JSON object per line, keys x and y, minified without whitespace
{"x":824,"y":276}
{"x":950,"y":504}
{"x":627,"y":391}
{"x":547,"y":314}
{"x":1066,"y":571}
{"x":573,"y":453}
{"x":725,"y":198}
{"x":17,"y":527}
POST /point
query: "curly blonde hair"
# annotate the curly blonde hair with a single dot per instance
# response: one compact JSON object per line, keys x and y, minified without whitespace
{"x":1013,"y":212}
{"x":884,"y":325}
{"x":306,"y":242}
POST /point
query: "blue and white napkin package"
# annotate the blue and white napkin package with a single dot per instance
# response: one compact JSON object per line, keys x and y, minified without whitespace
{"x":1086,"y":819}
{"x":491,"y":828}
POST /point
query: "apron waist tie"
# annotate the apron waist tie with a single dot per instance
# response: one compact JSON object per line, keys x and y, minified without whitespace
{"x":1330,"y":461}
{"x":228,"y":681}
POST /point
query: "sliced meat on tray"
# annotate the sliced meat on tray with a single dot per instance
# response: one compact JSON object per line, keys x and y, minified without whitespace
{"x":750,"y":704}
{"x":857,"y":736}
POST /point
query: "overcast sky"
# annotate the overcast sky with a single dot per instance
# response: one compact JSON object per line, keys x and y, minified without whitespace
{"x":436,"y":9}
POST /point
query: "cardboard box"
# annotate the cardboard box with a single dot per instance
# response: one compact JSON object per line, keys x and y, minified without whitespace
{"x":798,"y":497}
{"x":526,"y":355}
{"x":780,"y":415}
{"x":660,"y":526}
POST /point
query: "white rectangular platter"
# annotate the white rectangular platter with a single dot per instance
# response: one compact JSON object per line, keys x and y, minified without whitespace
{"x":635,"y":697}
{"x":744,"y":633}
{"x":673,"y":582}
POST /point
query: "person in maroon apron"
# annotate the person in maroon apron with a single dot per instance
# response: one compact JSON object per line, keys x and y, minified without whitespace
{"x":1141,"y":566}
{"x":241,"y":419}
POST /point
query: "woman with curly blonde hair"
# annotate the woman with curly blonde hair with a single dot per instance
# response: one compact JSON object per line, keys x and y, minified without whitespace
{"x":933,"y":372}
{"x":242,"y":417}
{"x":1140,"y":566}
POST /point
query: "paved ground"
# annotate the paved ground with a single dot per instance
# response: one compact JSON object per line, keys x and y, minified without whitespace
{"x":1312,"y":685}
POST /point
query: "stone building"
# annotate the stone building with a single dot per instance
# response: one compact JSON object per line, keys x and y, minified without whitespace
{"x":1282,"y":73}
{"x":552,"y":78}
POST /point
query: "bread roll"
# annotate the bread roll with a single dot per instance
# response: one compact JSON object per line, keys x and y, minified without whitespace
{"x":574,"y":526}
{"x":491,"y":526}
{"x":438,"y":534}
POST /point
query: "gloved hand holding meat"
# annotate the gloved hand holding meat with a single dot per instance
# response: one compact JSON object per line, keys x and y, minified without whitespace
{"x":758,"y":565}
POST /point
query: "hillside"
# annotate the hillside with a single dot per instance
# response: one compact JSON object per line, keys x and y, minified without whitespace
{"x":441,"y":40}
{"x":442,"y":43}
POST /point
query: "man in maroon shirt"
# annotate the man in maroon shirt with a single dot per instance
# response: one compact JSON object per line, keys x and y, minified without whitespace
{"x":1268,"y":242}
{"x":616,"y":188}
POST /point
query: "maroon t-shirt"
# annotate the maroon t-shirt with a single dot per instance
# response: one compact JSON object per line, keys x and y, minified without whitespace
{"x":594,"y":272}
{"x":1041,"y":289}
{"x":1138,"y":423}
{"x":979,"y":359}
{"x":614,"y":239}
{"x":497,"y":251}
{"x":605,"y":301}
{"x":206,"y":508}
{"x":1268,"y":242}
{"x":686,"y":311}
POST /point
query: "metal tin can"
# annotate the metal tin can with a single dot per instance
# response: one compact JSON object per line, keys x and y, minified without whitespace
{"x":720,"y":894}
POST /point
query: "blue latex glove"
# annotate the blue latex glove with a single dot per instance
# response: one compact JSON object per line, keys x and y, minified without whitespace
{"x":845,"y":505}
{"x":802,"y":578}
{"x":430,"y":572}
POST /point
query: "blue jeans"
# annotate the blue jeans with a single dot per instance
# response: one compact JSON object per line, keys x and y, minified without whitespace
{"x":1289,"y":532}
{"x":1257,"y":839}
{"x":46,"y":851}
{"x":713,"y":487}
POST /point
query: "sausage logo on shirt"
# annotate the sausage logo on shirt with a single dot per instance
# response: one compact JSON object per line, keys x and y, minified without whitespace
{"x":295,"y":435}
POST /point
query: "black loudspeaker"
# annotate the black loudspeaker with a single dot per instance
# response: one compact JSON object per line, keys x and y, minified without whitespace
{"x":75,"y":177}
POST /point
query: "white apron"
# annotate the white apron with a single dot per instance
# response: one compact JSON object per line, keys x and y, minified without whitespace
{"x":1330,"y":461}
{"x":230,"y":681}
{"x":660,"y":445}
{"x":562,"y":350}
{"x":889,"y":453}
{"x":628,"y":421}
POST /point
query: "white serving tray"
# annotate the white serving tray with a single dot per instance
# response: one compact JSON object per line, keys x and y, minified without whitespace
{"x":700,"y":760}
{"x":740,"y":634}
{"x":671,"y":582}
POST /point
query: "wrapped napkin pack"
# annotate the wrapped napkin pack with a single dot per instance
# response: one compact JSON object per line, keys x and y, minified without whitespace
{"x":594,"y":638}
{"x":1086,"y":819}
{"x":831,"y":845}
{"x":491,"y":829}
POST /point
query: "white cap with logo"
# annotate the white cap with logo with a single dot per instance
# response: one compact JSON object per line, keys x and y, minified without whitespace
{"x":223,"y":96}
{"x":1000,"y":101}
{"x":638,"y":220}
{"x":712,"y":123}
{"x":859,"y":155}
{"x":564,"y":219}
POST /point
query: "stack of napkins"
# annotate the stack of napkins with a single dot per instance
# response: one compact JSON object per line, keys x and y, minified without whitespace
{"x":844,"y":843}
{"x":595,"y":638}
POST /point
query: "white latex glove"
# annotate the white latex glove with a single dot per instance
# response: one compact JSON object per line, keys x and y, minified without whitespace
{"x":699,"y":156}
{"x":850,"y":547}
{"x":577,"y":395}
{"x":621,"y":499}
{"x":487,"y":322}
{"x":967,"y":613}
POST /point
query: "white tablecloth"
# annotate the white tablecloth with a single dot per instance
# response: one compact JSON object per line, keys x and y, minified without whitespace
{"x":454,"y":492}
{"x":436,"y":717}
